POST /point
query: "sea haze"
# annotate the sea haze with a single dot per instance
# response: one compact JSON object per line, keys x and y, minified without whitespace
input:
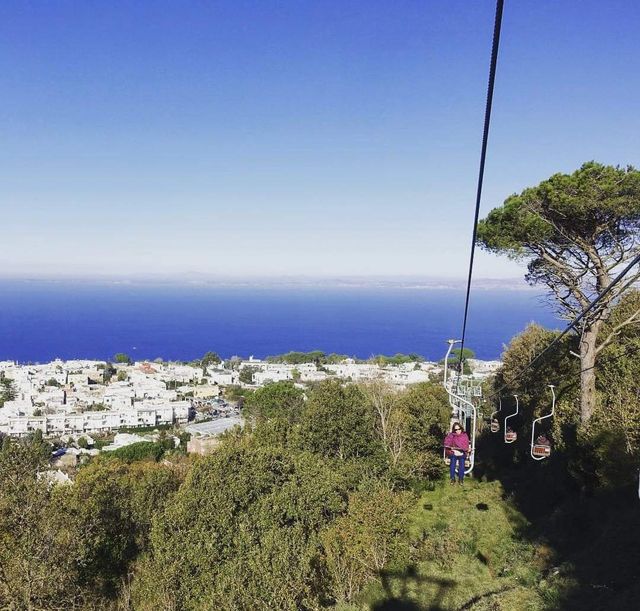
{"x":40,"y":321}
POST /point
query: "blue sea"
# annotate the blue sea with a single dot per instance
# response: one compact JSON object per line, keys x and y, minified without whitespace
{"x":40,"y":321}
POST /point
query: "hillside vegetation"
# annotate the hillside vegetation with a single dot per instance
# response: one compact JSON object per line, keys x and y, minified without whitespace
{"x":337,"y":498}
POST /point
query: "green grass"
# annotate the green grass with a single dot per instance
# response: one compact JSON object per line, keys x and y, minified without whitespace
{"x":471,"y":551}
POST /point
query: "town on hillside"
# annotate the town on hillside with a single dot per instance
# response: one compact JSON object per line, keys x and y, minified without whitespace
{"x":87,"y":397}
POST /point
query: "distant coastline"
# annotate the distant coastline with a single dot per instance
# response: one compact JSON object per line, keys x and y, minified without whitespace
{"x":342,"y":282}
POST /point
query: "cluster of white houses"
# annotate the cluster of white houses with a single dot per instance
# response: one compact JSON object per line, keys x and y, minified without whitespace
{"x":97,"y":422}
{"x":72,"y":397}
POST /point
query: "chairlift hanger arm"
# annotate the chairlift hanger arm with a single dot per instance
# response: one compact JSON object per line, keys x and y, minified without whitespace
{"x":539,"y":420}
{"x":511,"y":416}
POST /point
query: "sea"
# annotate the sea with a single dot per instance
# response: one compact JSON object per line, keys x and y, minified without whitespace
{"x":43,"y":320}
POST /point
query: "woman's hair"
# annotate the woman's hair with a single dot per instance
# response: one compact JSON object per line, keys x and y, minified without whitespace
{"x":455,"y":424}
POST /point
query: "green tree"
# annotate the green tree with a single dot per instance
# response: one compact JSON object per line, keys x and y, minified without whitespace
{"x":122,"y":358}
{"x":122,"y":376}
{"x":396,"y":359}
{"x":557,"y":367}
{"x":234,"y":392}
{"x":298,"y":358}
{"x":242,"y":532}
{"x":109,"y":509}
{"x":575,"y":231}
{"x":108,"y":372}
{"x":277,"y":400}
{"x":210,"y":358}
{"x":336,"y":422}
{"x":246,"y":374}
{"x":425,"y":414}
{"x":7,"y":390}
{"x":360,"y":544}
{"x":613,"y":434}
{"x":455,"y":359}
{"x":37,"y":568}
{"x":234,"y":363}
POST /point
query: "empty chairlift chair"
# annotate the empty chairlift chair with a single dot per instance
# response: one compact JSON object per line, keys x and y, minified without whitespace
{"x":541,"y":446}
{"x":509,"y":434}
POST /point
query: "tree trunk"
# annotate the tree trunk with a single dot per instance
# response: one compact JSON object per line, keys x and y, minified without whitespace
{"x":588,"y":371}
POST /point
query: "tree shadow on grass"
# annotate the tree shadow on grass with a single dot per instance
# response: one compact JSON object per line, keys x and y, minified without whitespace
{"x":594,"y":537}
{"x":410,"y":579}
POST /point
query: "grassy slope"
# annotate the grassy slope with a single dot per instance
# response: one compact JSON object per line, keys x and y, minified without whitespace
{"x":471,"y":552}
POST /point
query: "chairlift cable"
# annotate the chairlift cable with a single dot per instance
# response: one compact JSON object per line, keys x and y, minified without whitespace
{"x":483,"y":155}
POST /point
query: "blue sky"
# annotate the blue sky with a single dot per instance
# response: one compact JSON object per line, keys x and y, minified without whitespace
{"x":293,"y":138}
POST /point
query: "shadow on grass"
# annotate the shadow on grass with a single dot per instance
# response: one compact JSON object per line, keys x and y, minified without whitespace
{"x":594,"y":537}
{"x":409,"y":579}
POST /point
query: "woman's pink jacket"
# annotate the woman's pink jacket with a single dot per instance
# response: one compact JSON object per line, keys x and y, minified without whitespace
{"x":459,"y":442}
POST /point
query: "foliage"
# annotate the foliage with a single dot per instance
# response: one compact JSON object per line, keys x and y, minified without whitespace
{"x":7,"y":390}
{"x":458,"y":356}
{"x":95,"y":407}
{"x":361,"y":543}
{"x":110,"y":507}
{"x":315,"y":356}
{"x":246,"y":515}
{"x":337,"y":423}
{"x":210,"y":358}
{"x":234,"y":363}
{"x":396,"y":359}
{"x":52,"y":382}
{"x":557,"y":367}
{"x":246,"y":374}
{"x":410,"y":426}
{"x":142,"y":450}
{"x":576,"y":232}
{"x":234,"y":392}
{"x":122,"y":376}
{"x":108,"y":372}
{"x":277,"y":400}
{"x":36,"y":567}
{"x":123,"y":358}
{"x":613,"y":435}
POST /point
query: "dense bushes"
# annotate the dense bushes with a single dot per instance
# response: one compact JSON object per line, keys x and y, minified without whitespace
{"x":299,"y":511}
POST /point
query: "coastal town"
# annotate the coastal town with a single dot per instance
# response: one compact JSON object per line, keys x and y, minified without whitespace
{"x":87,"y":397}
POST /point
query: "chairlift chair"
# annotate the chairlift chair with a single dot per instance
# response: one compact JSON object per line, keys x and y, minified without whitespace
{"x":541,"y":448}
{"x":463,"y":411}
{"x":509,"y":434}
{"x":447,"y":459}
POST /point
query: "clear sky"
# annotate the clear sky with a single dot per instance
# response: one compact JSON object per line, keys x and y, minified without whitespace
{"x":294,"y":137}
